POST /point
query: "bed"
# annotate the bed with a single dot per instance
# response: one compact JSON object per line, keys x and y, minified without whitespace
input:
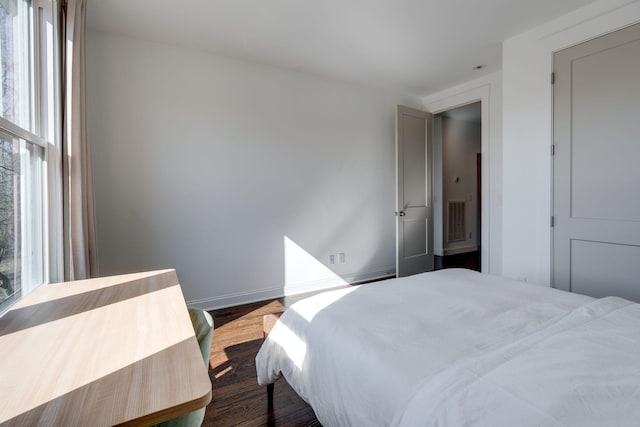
{"x":457,"y":347}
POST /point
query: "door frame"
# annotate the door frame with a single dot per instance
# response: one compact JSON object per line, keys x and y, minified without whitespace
{"x":478,"y":94}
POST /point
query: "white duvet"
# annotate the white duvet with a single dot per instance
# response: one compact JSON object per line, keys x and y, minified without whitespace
{"x":459,"y":348}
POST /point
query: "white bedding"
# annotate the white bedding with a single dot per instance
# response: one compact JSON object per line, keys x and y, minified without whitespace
{"x":456,"y":347}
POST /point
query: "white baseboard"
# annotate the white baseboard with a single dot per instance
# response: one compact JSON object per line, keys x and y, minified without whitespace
{"x":257,"y":295}
{"x":460,"y":250}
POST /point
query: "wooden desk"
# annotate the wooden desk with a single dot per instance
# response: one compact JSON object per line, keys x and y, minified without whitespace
{"x":101,"y":352}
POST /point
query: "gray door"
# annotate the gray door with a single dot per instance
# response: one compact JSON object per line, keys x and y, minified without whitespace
{"x":596,"y":197}
{"x":414,"y":218}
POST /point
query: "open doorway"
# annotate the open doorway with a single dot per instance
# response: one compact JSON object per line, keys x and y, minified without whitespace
{"x":457,"y":187}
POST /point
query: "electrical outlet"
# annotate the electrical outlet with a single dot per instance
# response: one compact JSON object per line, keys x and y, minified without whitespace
{"x":332,"y":259}
{"x":342,"y":258}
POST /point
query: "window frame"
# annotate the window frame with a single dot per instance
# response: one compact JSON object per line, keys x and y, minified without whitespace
{"x":45,"y":132}
{"x":49,"y":117}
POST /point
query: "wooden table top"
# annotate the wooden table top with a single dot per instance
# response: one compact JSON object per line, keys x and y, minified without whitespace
{"x":101,"y":352}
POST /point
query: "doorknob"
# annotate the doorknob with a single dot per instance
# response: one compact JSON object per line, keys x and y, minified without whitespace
{"x":401,"y":213}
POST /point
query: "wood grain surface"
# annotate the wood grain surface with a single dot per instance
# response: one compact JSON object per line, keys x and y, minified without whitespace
{"x":101,"y":352}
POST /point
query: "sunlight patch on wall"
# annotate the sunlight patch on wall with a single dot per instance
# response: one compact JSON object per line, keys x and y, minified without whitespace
{"x":301,"y":268}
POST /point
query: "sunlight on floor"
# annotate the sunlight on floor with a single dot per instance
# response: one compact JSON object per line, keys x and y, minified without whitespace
{"x":226,"y":336}
{"x":300,"y":269}
{"x":224,"y":371}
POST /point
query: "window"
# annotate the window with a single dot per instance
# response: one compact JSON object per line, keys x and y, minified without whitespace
{"x":27,"y":142}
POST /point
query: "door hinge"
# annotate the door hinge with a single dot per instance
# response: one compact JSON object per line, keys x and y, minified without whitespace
{"x":553,"y":78}
{"x":553,"y":220}
{"x":553,"y":149}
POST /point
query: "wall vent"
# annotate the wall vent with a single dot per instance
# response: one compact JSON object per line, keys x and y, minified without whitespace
{"x":457,"y":221}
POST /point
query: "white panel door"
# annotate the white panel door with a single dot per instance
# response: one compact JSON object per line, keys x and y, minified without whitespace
{"x":414,"y":210}
{"x":596,"y":236}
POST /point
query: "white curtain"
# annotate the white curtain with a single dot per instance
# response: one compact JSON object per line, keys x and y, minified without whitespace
{"x":80,"y":261}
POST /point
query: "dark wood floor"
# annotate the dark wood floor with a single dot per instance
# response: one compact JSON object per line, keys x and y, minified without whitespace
{"x":470,"y":260}
{"x":237,"y":399}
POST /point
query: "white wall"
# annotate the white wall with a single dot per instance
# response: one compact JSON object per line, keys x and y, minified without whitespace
{"x":487,"y":90}
{"x":243,"y":177}
{"x":527,"y":130}
{"x":460,"y":143}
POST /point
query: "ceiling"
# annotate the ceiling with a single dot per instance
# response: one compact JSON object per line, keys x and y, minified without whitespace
{"x":416,"y":46}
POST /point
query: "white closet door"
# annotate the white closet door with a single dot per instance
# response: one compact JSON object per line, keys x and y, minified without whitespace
{"x":596,"y":236}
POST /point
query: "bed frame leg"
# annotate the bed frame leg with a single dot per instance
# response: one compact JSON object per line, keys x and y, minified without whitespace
{"x":268,"y":322}
{"x":270,"y":396}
